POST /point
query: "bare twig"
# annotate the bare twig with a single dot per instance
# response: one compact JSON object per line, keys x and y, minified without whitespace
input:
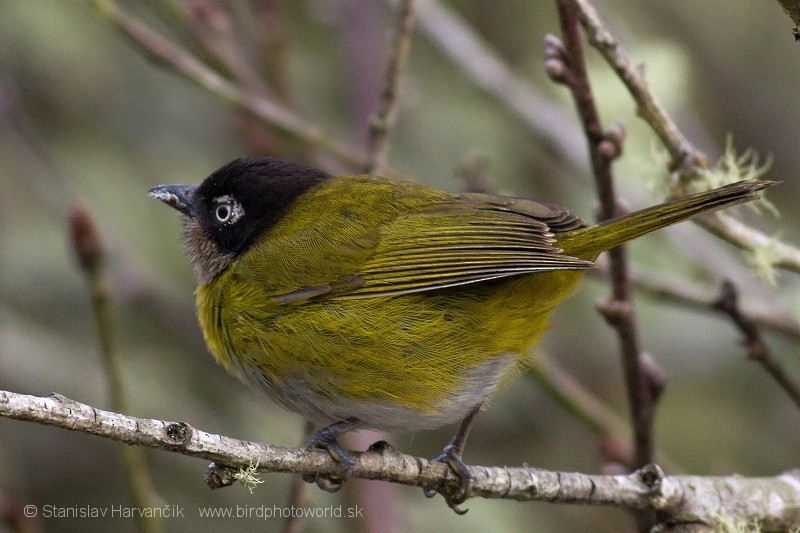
{"x":744,"y":237}
{"x":573,"y":397}
{"x":611,"y":430}
{"x":679,"y":499}
{"x":565,"y":64}
{"x":473,"y":173}
{"x":683,"y":153}
{"x":728,"y":303}
{"x":693,"y":297}
{"x":88,"y":248}
{"x":213,"y":29}
{"x":166,"y":52}
{"x":686,"y":158}
{"x":382,"y":122}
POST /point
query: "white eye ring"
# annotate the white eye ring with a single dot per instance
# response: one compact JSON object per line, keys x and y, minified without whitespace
{"x":227,"y":210}
{"x":223,"y":212}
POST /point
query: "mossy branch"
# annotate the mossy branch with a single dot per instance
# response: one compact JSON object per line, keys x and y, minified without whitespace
{"x":686,"y":159}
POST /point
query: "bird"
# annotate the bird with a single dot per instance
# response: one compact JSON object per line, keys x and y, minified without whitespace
{"x":362,"y":301}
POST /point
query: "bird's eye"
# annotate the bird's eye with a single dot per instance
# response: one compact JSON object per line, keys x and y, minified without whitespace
{"x":223,"y":212}
{"x":227,"y":210}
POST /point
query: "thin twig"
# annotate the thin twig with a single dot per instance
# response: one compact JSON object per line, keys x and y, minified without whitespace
{"x":679,"y":499}
{"x":473,"y":173}
{"x":683,"y":153}
{"x":565,"y":64}
{"x":686,"y":158}
{"x":382,"y":122}
{"x":181,"y":61}
{"x":604,"y":147}
{"x":611,"y":429}
{"x":689,"y":296}
{"x":742,"y":236}
{"x":575,"y":399}
{"x":213,"y":29}
{"x":728,"y":303}
{"x":88,"y":248}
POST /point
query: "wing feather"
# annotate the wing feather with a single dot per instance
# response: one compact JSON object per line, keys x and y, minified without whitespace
{"x":463,"y":242}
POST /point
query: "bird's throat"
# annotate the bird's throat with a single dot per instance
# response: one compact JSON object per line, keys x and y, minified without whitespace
{"x":204,"y":254}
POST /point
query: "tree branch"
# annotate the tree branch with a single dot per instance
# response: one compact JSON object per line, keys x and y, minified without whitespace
{"x":610,"y":429}
{"x":298,"y":492}
{"x":683,"y":153}
{"x":694,"y":297}
{"x":680,"y":499}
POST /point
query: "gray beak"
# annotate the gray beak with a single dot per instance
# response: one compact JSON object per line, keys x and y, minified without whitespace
{"x":177,"y":196}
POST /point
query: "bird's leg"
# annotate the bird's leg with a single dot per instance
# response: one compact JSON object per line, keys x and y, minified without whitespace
{"x":325,"y":438}
{"x":451,"y":455}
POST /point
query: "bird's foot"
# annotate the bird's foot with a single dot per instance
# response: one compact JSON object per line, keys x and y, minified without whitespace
{"x":453,"y":495}
{"x":325,"y":438}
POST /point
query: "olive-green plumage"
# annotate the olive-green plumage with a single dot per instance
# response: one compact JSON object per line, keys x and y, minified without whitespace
{"x":391,"y":303}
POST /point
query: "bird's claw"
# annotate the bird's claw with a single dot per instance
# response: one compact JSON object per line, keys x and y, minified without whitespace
{"x":326,"y":440}
{"x":454,"y":496}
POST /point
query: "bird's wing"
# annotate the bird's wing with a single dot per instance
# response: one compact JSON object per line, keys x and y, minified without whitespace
{"x":469,"y":239}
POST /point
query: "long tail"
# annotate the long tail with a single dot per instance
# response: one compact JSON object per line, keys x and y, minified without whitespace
{"x":589,"y":242}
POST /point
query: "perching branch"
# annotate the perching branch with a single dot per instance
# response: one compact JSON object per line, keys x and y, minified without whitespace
{"x":676,"y":499}
{"x":298,"y":492}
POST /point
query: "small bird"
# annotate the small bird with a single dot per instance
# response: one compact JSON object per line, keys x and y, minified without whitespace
{"x":368,"y":302}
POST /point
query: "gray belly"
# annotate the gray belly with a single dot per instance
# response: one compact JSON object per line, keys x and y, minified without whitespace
{"x":300,"y":396}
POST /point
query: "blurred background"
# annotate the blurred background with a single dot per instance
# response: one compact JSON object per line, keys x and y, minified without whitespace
{"x":84,"y":115}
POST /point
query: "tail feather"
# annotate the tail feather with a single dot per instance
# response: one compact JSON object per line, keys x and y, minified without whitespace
{"x":589,"y":242}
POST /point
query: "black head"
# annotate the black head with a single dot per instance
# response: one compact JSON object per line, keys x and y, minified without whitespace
{"x":239,"y":201}
{"x":234,"y":206}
